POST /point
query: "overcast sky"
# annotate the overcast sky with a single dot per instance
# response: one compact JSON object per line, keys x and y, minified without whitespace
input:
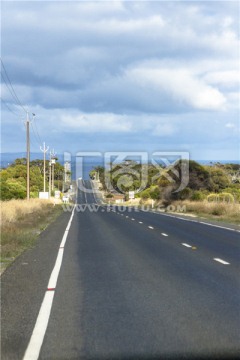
{"x":123,"y":76}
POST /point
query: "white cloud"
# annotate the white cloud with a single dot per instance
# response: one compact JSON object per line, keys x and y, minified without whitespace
{"x":181,"y":85}
{"x":95,"y":123}
{"x":230,"y":125}
{"x":227,"y":78}
{"x":227,"y":21}
{"x":137,"y":70}
{"x":164,"y":129}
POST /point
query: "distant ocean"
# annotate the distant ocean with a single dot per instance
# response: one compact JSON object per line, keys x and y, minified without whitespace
{"x":82,"y":169}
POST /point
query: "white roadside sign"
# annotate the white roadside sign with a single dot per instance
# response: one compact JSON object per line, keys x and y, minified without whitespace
{"x":131,"y":195}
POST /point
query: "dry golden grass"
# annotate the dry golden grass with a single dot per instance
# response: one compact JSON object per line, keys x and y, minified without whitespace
{"x":229,"y":212}
{"x":21,"y":222}
{"x":13,"y":210}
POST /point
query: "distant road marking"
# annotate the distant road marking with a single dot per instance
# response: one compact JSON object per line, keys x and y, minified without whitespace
{"x":94,"y":189}
{"x":140,"y":222}
{"x":150,"y":227}
{"x":132,"y":219}
{"x":34,"y":346}
{"x":84,"y":192}
{"x":121,"y":214}
{"x":184,"y":244}
{"x":164,"y":234}
{"x":222,"y":261}
{"x":126,"y":216}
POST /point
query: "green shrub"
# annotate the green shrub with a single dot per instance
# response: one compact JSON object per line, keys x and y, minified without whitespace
{"x":145,"y":194}
{"x":197,"y":196}
{"x":184,"y":194}
{"x":155,"y":193}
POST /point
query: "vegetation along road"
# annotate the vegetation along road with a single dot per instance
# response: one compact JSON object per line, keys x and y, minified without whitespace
{"x":110,"y":284}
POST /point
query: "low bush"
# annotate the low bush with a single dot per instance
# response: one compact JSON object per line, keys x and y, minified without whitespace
{"x":197,"y":196}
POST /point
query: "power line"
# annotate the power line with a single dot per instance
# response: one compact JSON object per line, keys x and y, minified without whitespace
{"x":11,"y":89}
{"x":35,"y":131}
{"x":32,"y":140}
{"x":6,"y":105}
{"x":36,"y":139}
{"x":34,"y":122}
{"x":8,"y":87}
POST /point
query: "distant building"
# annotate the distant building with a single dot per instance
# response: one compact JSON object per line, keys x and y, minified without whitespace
{"x":117,"y":197}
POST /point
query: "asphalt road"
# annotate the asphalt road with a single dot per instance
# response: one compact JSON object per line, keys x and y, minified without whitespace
{"x":131,"y":285}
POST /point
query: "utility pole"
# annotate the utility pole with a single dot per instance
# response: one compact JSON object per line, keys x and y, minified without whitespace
{"x":44,"y":150}
{"x":53,"y":174}
{"x":50,"y":176}
{"x":52,"y":153}
{"x":28,"y":157}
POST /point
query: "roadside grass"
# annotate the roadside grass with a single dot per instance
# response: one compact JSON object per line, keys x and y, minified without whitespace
{"x":21,"y":222}
{"x":220,"y":211}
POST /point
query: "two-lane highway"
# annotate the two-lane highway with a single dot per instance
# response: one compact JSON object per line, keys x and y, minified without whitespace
{"x":140,"y":285}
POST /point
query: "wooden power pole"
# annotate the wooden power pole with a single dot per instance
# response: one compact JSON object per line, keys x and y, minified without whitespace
{"x":44,"y":150}
{"x":28,"y":158}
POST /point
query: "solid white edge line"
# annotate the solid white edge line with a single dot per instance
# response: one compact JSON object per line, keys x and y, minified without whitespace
{"x":194,"y":221}
{"x":64,"y":239}
{"x":221,"y":261}
{"x":34,"y":346}
{"x":54,"y":275}
{"x":218,"y":226}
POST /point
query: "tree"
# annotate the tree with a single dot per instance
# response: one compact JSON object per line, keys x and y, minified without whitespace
{"x":14,"y":178}
{"x":218,"y":179}
{"x":19,"y":161}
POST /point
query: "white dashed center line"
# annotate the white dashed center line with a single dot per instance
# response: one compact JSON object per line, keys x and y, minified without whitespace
{"x":150,"y":227}
{"x":184,"y":244}
{"x":140,"y":222}
{"x":221,"y":261}
{"x":164,"y":234}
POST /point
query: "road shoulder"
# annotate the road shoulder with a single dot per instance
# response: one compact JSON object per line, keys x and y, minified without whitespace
{"x":23,"y":286}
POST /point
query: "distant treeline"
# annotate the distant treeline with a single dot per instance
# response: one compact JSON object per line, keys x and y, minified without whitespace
{"x":163,"y":183}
